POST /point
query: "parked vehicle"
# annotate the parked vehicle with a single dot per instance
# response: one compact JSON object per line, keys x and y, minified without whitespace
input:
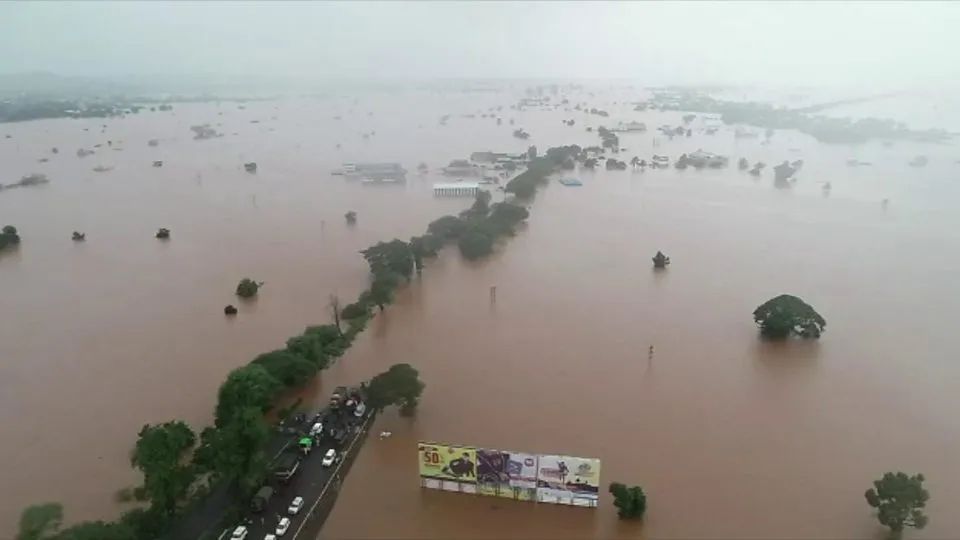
{"x":295,"y":506}
{"x":286,"y":467}
{"x":261,"y":499}
{"x":360,"y":410}
{"x":283,"y":526}
{"x":329,"y":458}
{"x":240,"y":533}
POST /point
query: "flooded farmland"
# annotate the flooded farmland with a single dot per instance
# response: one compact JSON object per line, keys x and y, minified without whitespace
{"x":729,"y":436}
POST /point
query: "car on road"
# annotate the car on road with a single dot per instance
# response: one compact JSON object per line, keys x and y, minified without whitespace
{"x":329,"y":458}
{"x":316,"y":429}
{"x":239,"y":533}
{"x":283,"y":526}
{"x":295,"y":506}
{"x":270,"y":537}
{"x":360,"y":410}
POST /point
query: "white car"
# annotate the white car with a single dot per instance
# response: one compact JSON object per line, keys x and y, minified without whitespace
{"x":316,"y":429}
{"x":283,"y":526}
{"x":295,"y":506}
{"x":329,"y":458}
{"x":239,"y":533}
{"x":360,"y":410}
{"x":270,"y":537}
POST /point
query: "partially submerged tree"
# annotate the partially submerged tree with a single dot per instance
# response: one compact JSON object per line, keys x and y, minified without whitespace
{"x":899,"y":500}
{"x":248,"y":386}
{"x":475,"y":244}
{"x":660,"y":260}
{"x":447,"y":227}
{"x":353,"y":311}
{"x":248,"y":288}
{"x":334,"y":305}
{"x":351,"y":217}
{"x":630,"y":501}
{"x":400,"y":385}
{"x":381,"y":290}
{"x":163,"y":233}
{"x":788,"y":315}
{"x":286,"y":367}
{"x":159,"y":454}
{"x":393,"y":257}
{"x":40,"y":521}
{"x":9,"y":236}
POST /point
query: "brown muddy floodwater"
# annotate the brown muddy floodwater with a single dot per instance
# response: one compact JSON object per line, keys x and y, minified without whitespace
{"x":729,"y":436}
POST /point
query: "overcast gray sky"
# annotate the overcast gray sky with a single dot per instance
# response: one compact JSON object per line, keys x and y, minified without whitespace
{"x":865,"y":43}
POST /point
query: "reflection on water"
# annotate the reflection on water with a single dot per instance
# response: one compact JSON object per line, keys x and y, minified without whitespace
{"x":730,"y":436}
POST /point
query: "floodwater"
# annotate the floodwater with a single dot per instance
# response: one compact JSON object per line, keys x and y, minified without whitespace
{"x":729,"y":436}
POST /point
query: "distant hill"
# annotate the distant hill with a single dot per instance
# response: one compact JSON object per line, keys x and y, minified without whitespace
{"x":42,"y":85}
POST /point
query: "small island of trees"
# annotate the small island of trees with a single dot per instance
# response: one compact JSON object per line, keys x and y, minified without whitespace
{"x":248,"y":288}
{"x":631,"y":502}
{"x":788,"y":315}
{"x":899,"y":500}
{"x":9,"y":236}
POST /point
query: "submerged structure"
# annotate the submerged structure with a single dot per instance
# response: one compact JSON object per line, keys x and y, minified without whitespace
{"x":660,"y":260}
{"x":456,"y":189}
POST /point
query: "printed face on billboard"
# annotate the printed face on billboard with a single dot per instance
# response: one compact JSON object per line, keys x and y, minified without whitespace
{"x":447,"y":462}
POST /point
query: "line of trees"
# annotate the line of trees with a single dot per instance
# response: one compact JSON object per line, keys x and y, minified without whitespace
{"x":179,"y":467}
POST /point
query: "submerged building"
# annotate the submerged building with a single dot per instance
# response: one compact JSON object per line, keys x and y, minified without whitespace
{"x":456,"y":189}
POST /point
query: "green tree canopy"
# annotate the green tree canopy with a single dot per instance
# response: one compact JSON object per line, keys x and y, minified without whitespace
{"x":354,"y":310}
{"x":381,"y":290}
{"x":475,"y":244}
{"x":9,"y":236}
{"x":630,"y":501}
{"x":480,"y":207}
{"x":899,"y":500}
{"x":508,"y":213}
{"x":785,"y":315}
{"x":248,"y":288}
{"x":248,"y":386}
{"x":98,"y":530}
{"x":447,"y":227}
{"x":329,"y":336}
{"x":235,"y":449}
{"x":40,"y":521}
{"x":288,"y":368}
{"x":394,"y":257}
{"x":399,"y":385}
{"x":159,"y":455}
{"x":309,"y":348}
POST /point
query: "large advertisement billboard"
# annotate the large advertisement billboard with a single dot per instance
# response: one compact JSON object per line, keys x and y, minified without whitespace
{"x":568,"y":480}
{"x":512,"y":475}
{"x":449,"y":467}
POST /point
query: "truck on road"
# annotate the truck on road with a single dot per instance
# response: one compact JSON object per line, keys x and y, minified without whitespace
{"x":261,"y":499}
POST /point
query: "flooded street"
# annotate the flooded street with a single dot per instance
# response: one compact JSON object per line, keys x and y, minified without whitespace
{"x":728,"y":435}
